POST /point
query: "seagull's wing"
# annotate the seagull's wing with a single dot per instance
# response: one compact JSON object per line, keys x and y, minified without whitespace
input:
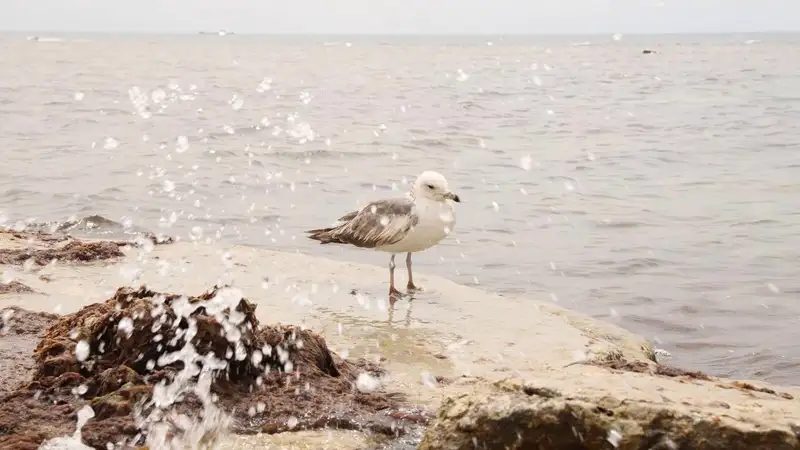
{"x":380,"y":223}
{"x":349,"y":216}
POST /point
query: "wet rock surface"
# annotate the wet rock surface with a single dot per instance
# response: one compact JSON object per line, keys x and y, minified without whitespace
{"x":15,"y":287}
{"x":20,"y":333}
{"x":107,"y":355}
{"x":616,"y":414}
{"x":40,"y":249}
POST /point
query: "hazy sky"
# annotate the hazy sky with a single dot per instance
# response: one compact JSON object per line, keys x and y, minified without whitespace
{"x":402,"y":16}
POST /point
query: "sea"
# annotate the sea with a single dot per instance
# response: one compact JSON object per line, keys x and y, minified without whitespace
{"x":648,"y":181}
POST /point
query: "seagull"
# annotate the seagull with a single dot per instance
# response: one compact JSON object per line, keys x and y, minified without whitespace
{"x":410,"y":223}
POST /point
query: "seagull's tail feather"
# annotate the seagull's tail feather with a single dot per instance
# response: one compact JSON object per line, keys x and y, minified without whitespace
{"x":325,"y":235}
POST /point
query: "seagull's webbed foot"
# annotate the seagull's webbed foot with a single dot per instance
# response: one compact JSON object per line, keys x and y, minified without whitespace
{"x":411,"y":287}
{"x":394,"y":294}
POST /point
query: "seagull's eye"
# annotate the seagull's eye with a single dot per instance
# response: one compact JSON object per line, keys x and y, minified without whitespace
{"x":429,"y":186}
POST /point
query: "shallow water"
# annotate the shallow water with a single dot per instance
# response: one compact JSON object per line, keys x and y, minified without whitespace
{"x":656,"y":191}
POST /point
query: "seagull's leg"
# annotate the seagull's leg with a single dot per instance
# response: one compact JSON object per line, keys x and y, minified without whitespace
{"x":394,"y":294}
{"x":410,"y":286}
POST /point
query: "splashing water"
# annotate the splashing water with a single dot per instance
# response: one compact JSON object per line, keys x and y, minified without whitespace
{"x":167,"y":429}
{"x":110,"y":143}
{"x":162,"y":426}
{"x":73,"y":442}
{"x":367,"y":383}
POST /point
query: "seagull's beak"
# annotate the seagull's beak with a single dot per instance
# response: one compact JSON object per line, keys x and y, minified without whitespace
{"x":453,"y":197}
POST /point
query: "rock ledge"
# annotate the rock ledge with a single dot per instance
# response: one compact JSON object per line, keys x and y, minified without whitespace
{"x":521,"y":414}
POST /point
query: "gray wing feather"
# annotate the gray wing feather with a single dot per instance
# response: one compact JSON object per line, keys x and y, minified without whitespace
{"x":349,"y":216}
{"x":380,"y":223}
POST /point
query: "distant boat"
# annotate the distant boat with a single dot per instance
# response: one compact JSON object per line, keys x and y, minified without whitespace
{"x":44,"y":39}
{"x":217,"y":33}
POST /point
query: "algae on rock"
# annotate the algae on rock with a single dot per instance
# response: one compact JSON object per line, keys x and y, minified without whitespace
{"x":518,"y":415}
{"x":110,"y":356}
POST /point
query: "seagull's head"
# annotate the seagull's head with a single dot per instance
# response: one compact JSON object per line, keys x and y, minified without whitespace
{"x":433,"y":186}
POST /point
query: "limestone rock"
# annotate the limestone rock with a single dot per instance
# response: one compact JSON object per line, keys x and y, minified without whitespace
{"x":713,"y":415}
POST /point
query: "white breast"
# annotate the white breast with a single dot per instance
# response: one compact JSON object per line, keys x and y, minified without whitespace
{"x":436,"y":221}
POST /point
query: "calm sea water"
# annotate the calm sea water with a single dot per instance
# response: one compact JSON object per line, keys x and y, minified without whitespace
{"x":659,"y":191}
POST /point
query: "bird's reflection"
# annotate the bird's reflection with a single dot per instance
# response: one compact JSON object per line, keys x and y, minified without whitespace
{"x":393,"y":303}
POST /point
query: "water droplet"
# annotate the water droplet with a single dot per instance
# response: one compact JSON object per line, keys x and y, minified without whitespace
{"x":526,"y":162}
{"x":428,"y":380}
{"x":236,"y":102}
{"x":126,"y":326}
{"x":614,"y":437}
{"x":7,"y":277}
{"x":131,"y":274}
{"x":257,"y":356}
{"x":196,"y":233}
{"x":82,"y":389}
{"x":110,"y":143}
{"x":82,"y":350}
{"x":158,"y":96}
{"x":367,"y":383}
{"x":660,"y":353}
{"x":182,"y":144}
{"x":265,"y":85}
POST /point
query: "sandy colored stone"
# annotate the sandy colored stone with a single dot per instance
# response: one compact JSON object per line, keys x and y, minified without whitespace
{"x":20,"y":332}
{"x":42,"y":248}
{"x":15,"y":287}
{"x":618,"y":409}
{"x":478,"y":346}
{"x":18,"y":247}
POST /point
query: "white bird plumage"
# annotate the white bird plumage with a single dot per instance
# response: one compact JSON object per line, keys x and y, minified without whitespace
{"x":407,"y":224}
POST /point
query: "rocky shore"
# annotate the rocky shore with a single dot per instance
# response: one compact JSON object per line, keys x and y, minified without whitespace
{"x":111,"y":356}
{"x":520,"y":387}
{"x":658,"y":408}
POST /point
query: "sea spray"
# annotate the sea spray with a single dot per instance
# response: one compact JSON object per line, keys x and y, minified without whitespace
{"x":73,"y":442}
{"x":166,"y":429}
